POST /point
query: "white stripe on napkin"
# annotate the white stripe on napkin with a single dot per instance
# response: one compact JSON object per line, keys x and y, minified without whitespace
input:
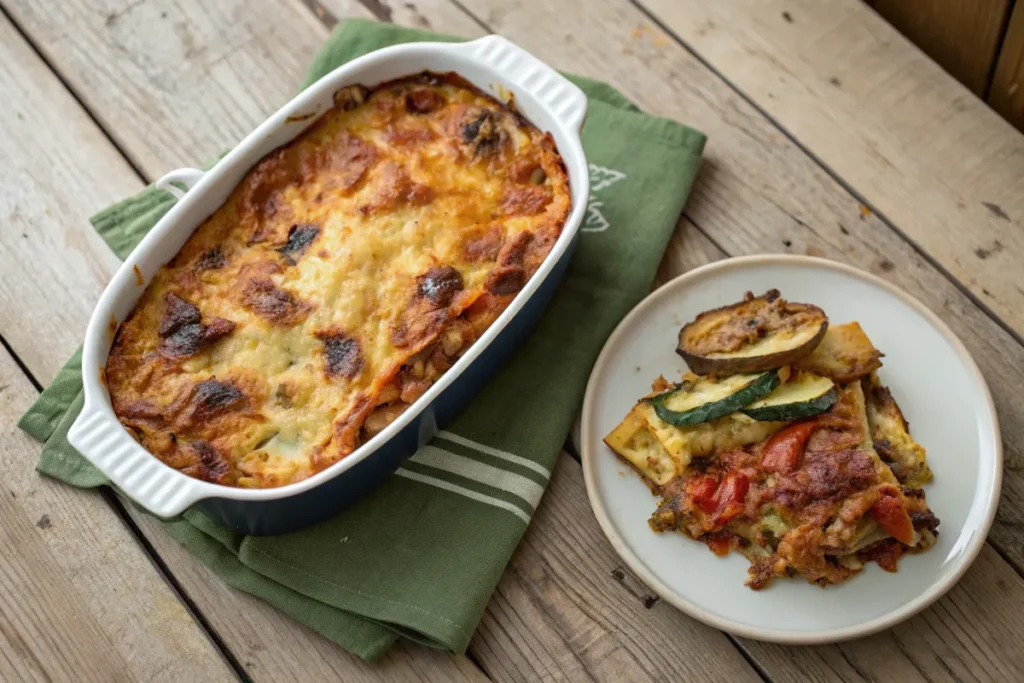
{"x":511,"y":457}
{"x":516,"y":484}
{"x":455,"y":488}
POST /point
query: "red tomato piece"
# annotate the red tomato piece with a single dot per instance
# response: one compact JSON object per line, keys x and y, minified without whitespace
{"x":783,"y":450}
{"x":893,"y":518}
{"x":701,"y":490}
{"x":730,"y":496}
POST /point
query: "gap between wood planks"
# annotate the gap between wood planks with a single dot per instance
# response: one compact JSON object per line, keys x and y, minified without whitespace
{"x":842,"y":182}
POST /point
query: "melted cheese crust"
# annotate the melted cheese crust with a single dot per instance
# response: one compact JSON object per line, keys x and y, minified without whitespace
{"x":345,"y":274}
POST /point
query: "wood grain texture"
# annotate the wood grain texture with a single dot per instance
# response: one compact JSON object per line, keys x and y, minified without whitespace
{"x":81,"y":554}
{"x":968,"y":635}
{"x":1007,"y":93}
{"x":758,"y":192}
{"x":269,"y":645}
{"x":568,"y":609}
{"x":431,"y":15}
{"x":915,"y":144}
{"x":47,"y":631}
{"x":191,"y":77}
{"x":46,"y":179}
{"x":962,"y":36}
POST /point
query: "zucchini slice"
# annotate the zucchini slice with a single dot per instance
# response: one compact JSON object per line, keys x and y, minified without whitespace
{"x":709,"y":398}
{"x":804,"y":395}
{"x":754,"y":335}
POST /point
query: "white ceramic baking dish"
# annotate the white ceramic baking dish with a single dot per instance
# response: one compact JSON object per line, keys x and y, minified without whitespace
{"x":493,"y":64}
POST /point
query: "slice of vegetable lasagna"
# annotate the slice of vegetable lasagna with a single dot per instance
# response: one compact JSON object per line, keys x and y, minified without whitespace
{"x":804,"y":473}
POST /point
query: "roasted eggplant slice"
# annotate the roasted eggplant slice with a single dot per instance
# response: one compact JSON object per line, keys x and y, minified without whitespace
{"x":804,"y":395}
{"x":703,"y":399}
{"x":757,"y":334}
{"x":845,"y":354}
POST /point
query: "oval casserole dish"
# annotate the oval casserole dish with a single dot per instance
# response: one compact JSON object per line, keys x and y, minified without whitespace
{"x":491,"y":64}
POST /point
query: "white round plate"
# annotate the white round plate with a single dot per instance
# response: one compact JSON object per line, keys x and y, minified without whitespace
{"x":934,"y":380}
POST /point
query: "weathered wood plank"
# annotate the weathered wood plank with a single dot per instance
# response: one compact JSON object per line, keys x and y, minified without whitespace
{"x":58,"y":148}
{"x":758,"y":192}
{"x":568,"y":609}
{"x":969,"y":635}
{"x":191,"y":77}
{"x":81,"y":553}
{"x":962,"y":36}
{"x":934,"y":159}
{"x":47,"y":630}
{"x":432,"y":15}
{"x":1007,"y":93}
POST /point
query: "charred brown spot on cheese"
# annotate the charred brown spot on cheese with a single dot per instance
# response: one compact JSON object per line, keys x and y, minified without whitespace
{"x":211,"y":259}
{"x":210,"y":465}
{"x":342,"y":355}
{"x":218,"y":328}
{"x":424,"y":101}
{"x":183,"y":334}
{"x":524,"y":200}
{"x":347,"y":159}
{"x":439,"y":285}
{"x":300,"y":236}
{"x":827,"y":476}
{"x":483,"y":243}
{"x":211,"y":398}
{"x":350,"y":97}
{"x":262,"y":193}
{"x":178,"y":312}
{"x":392,"y":187}
{"x":426,"y":314}
{"x":140,"y":410}
{"x":112,"y":327}
{"x":509,"y":274}
{"x":481,"y":131}
{"x":264,"y":298}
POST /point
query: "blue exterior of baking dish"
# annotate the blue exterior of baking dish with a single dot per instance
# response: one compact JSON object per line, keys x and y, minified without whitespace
{"x":493,"y":64}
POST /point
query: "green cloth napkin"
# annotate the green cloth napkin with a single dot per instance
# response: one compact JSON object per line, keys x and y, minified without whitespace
{"x":420,"y":556}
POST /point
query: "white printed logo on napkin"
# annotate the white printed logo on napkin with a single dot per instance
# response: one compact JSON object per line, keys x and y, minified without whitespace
{"x":600,"y":178}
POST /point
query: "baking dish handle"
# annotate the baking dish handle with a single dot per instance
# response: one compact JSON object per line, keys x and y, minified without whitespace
{"x":556,"y":92}
{"x":182,"y":176}
{"x":101,"y":439}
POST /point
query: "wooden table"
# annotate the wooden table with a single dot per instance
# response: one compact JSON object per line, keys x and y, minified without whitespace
{"x":829,"y":134}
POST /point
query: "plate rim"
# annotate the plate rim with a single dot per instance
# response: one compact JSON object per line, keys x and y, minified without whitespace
{"x":817,"y":637}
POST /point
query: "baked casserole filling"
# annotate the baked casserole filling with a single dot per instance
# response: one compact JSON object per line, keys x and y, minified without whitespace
{"x":345,"y":273}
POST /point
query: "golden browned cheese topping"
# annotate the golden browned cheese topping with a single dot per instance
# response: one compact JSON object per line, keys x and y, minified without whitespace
{"x":341,"y":278}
